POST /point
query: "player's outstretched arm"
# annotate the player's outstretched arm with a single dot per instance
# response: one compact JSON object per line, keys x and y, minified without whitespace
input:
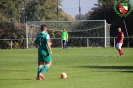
{"x":49,"y":46}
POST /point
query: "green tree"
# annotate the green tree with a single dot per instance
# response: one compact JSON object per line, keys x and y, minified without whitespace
{"x":113,"y":19}
{"x":106,"y":1}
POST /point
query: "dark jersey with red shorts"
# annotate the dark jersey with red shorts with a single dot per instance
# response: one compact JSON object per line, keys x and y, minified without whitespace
{"x":119,"y":37}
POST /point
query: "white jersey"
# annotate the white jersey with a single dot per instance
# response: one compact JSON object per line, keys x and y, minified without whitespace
{"x":48,"y":36}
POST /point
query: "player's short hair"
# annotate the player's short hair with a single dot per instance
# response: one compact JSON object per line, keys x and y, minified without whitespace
{"x":64,"y":29}
{"x":43,"y":27}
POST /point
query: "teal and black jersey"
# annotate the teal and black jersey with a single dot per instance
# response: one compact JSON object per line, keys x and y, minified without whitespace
{"x":41,"y":40}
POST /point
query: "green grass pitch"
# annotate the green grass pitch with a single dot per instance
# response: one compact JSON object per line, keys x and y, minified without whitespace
{"x":85,"y":67}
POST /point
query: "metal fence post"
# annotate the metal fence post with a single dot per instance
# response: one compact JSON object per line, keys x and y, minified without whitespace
{"x":27,"y":36}
{"x":61,"y":43}
{"x":114,"y":42}
{"x":87,"y":42}
{"x":11,"y":44}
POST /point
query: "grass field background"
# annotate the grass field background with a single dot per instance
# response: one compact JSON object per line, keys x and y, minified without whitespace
{"x":86,"y":68}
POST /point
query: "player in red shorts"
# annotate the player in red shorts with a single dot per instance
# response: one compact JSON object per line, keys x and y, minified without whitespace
{"x":119,"y":41}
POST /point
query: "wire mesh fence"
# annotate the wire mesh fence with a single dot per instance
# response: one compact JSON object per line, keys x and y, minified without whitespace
{"x":73,"y":42}
{"x":83,"y":33}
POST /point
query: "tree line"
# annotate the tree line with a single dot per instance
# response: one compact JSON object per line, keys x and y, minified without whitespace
{"x":14,"y":14}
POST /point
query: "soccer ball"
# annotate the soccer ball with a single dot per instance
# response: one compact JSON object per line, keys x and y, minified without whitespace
{"x":63,"y":75}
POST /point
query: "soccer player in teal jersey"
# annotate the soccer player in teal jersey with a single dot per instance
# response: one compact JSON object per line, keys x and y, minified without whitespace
{"x":44,"y":52}
{"x":64,"y":37}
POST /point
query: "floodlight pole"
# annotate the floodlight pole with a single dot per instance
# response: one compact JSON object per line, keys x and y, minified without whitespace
{"x":79,"y":11}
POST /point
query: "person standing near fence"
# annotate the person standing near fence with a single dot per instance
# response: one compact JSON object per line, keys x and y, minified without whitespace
{"x":120,"y":38}
{"x":64,"y":37}
{"x":44,"y":52}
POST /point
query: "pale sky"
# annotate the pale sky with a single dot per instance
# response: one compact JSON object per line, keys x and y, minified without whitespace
{"x":72,"y":6}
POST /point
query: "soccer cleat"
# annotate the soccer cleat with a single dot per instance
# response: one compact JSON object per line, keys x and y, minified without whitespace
{"x":42,"y":76}
{"x":120,"y":56}
{"x":37,"y":78}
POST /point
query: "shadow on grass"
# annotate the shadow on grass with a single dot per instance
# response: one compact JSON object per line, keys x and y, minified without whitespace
{"x":14,"y":70}
{"x":110,"y":68}
{"x":15,"y":79}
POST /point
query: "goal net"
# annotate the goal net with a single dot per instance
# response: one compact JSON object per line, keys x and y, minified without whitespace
{"x":90,"y":33}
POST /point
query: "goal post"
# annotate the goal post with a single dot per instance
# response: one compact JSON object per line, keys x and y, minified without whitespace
{"x":26,"y":35}
{"x":94,"y":30}
{"x":105,"y":33}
